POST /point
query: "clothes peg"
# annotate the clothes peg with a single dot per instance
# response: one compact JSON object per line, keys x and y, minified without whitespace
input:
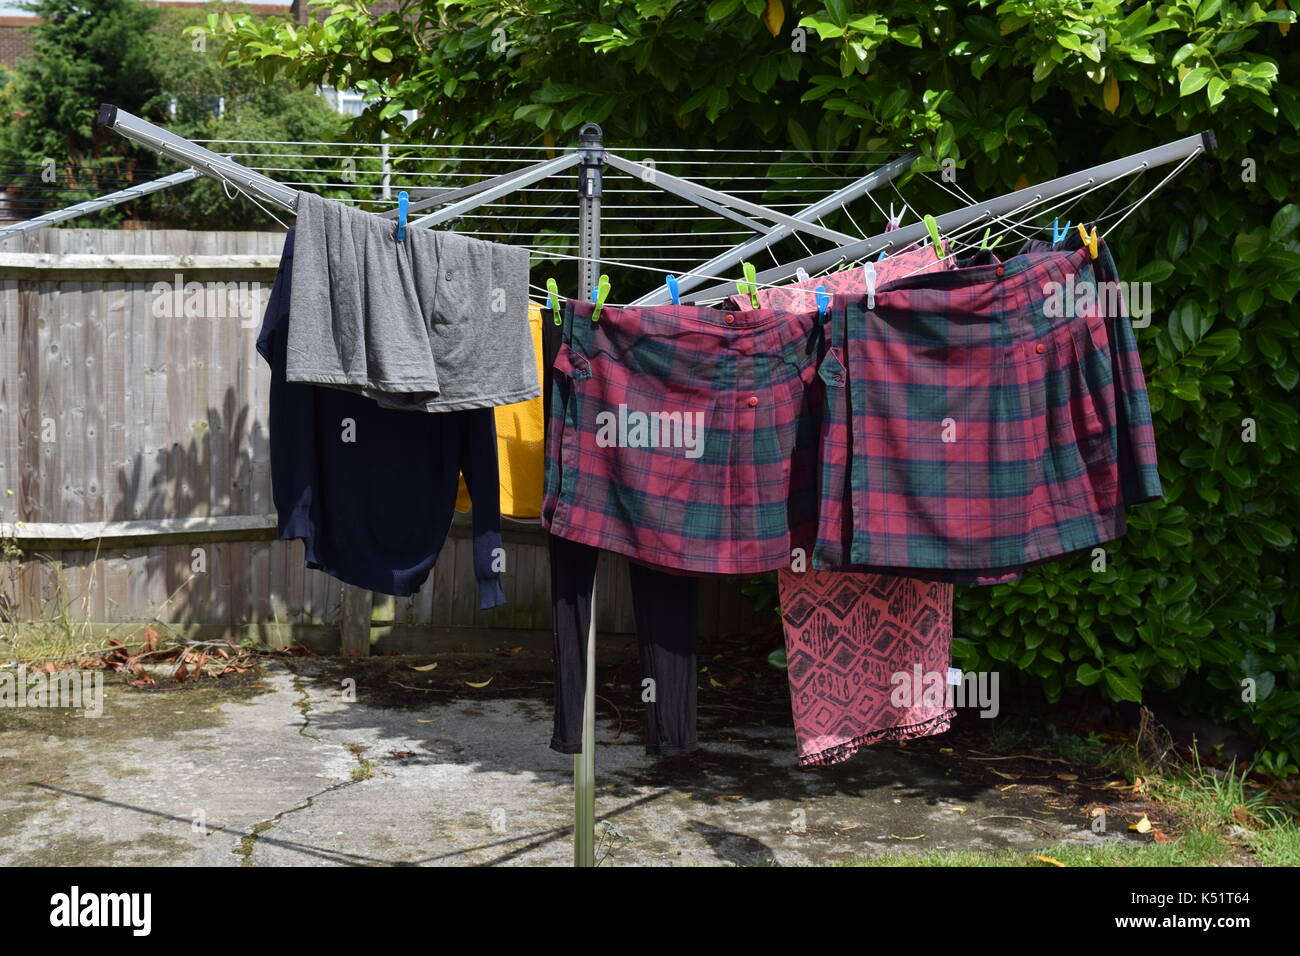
{"x":881,"y":256}
{"x":933,"y":228}
{"x":403,"y":204}
{"x":598,"y":296}
{"x":673,"y":289}
{"x":801,"y":274}
{"x":823,"y":300}
{"x":985,"y":245}
{"x":553,"y":300}
{"x":1089,"y":241}
{"x":1060,"y":236}
{"x":895,"y":220}
{"x":869,"y":273}
{"x":749,"y":285}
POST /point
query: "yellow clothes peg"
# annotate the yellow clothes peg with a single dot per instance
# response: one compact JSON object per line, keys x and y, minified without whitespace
{"x":1089,"y":241}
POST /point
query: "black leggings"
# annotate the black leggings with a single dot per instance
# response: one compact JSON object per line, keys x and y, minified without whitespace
{"x":665,"y":608}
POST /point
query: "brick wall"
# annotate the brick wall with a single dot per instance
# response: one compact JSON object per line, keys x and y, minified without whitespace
{"x":15,"y":39}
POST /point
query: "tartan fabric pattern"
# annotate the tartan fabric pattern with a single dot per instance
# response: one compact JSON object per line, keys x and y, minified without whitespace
{"x":986,"y":433}
{"x":747,"y":498}
{"x":847,"y":636}
{"x":801,"y":296}
{"x":957,"y":432}
{"x":834,"y":512}
{"x":1139,"y":470}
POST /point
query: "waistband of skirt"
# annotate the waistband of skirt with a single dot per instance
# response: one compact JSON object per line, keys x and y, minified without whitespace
{"x":763,"y":329}
{"x":1020,"y":273}
{"x":1019,"y":308}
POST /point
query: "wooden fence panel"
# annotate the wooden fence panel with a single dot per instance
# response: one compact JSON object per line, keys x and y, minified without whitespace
{"x":131,"y":391}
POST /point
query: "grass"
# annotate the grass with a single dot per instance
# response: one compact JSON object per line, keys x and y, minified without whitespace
{"x":1225,"y":821}
{"x":61,"y":630}
{"x":54,"y":633}
{"x":1194,"y":849}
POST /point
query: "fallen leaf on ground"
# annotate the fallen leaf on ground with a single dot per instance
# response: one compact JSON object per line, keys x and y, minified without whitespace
{"x":471,"y":683}
{"x":424,"y":667}
{"x":1142,"y":826}
{"x":1048,"y":859}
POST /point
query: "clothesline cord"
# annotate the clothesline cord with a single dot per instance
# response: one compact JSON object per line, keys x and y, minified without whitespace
{"x":954,"y":237}
{"x":390,"y":162}
{"x":611,"y":181}
{"x":622,"y":150}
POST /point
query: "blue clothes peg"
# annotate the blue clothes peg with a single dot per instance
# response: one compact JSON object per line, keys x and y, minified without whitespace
{"x":673,"y":290}
{"x":823,"y":300}
{"x":403,"y":204}
{"x":1060,"y":236}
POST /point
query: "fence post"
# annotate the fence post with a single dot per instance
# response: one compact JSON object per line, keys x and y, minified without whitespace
{"x":354,"y":622}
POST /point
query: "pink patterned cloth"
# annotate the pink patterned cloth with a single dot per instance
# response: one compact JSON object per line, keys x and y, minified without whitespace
{"x":801,"y":296}
{"x":868,"y":657}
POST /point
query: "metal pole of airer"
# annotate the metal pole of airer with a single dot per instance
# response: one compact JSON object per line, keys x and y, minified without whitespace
{"x":591,"y":148}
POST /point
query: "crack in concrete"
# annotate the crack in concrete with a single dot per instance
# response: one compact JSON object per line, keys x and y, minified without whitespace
{"x":363,"y":771}
{"x":303,"y":704}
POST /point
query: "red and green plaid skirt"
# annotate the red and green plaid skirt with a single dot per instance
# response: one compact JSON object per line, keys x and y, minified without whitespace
{"x":959,"y":430}
{"x":685,"y":437}
{"x":977,"y":431}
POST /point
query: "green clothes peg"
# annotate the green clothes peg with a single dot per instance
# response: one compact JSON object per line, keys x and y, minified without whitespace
{"x":553,"y":300}
{"x":933,"y":227}
{"x":599,"y":295}
{"x":749,"y":285}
